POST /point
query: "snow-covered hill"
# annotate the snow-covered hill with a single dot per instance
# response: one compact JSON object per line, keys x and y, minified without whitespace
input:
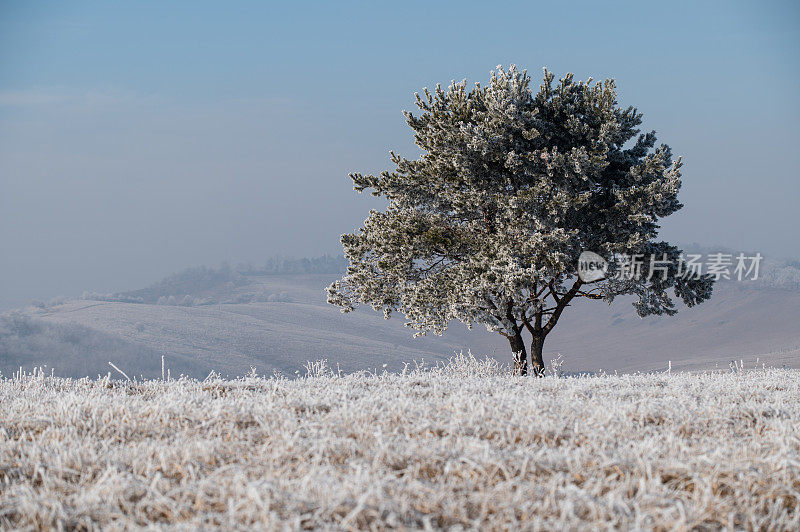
{"x":202,"y":321}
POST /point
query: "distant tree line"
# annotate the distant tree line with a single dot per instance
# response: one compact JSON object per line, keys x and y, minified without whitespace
{"x":282,"y":265}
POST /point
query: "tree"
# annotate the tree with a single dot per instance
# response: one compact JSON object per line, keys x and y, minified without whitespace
{"x":487,"y":224}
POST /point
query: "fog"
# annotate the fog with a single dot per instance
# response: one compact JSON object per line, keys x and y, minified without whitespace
{"x":134,"y":144}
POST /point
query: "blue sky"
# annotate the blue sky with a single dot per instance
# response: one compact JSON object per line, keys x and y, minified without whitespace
{"x":139,"y":138}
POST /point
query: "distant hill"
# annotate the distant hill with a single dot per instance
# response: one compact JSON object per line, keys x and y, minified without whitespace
{"x":229,"y":319}
{"x":207,"y":286}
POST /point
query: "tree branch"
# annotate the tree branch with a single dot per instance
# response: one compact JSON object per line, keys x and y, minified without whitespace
{"x":553,"y":292}
{"x":562,"y":303}
{"x":527,"y":323}
{"x":589,"y":295}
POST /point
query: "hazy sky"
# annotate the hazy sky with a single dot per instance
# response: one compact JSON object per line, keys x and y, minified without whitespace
{"x":140,"y":138}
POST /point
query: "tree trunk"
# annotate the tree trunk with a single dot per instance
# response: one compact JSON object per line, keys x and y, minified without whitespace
{"x":520,"y":353}
{"x":537,"y":363}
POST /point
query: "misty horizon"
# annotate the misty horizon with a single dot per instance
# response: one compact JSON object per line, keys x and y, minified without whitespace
{"x":126,"y":156}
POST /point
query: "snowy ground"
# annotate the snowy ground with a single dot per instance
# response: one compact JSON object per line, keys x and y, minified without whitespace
{"x":460,"y":446}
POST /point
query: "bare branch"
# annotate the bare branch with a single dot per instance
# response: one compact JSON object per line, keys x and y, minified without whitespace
{"x":562,"y":303}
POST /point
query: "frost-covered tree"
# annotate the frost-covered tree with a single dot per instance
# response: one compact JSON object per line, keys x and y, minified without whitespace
{"x":487,"y":224}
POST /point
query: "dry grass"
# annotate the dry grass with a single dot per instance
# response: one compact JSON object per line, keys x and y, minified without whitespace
{"x":462,"y":446}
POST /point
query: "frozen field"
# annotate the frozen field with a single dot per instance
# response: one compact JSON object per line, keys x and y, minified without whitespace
{"x":462,"y":446}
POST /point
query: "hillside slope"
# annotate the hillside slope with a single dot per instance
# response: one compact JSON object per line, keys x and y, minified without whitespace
{"x":278,"y":322}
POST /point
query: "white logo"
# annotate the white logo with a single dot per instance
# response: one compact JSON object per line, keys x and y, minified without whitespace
{"x":591,"y":267}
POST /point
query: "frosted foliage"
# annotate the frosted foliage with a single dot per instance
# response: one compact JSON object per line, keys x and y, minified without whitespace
{"x":459,"y":446}
{"x":486,"y":226}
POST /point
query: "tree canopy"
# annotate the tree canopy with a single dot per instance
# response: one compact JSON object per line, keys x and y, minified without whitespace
{"x":487,"y":224}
